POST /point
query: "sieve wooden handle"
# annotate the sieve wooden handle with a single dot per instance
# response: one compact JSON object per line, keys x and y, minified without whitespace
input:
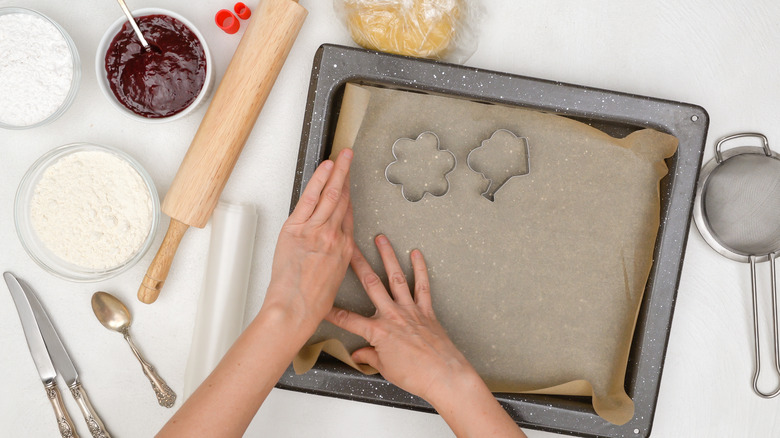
{"x":225,"y":128}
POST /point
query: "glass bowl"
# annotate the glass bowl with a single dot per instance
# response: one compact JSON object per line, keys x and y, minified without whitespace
{"x":38,"y":249}
{"x":102,"y":80}
{"x":74,"y":83}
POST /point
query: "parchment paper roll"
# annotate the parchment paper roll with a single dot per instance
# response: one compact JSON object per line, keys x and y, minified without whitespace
{"x":220,"y":314}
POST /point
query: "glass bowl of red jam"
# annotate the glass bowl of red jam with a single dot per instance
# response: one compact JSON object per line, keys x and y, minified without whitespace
{"x":158,"y":85}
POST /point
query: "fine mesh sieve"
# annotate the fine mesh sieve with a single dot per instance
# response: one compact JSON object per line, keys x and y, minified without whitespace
{"x":737,"y":211}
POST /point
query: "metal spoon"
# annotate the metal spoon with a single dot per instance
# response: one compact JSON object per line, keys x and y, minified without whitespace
{"x":134,"y":25}
{"x":113,"y":314}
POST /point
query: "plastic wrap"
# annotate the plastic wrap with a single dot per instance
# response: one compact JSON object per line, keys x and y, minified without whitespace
{"x":219,"y":317}
{"x":436,"y":29}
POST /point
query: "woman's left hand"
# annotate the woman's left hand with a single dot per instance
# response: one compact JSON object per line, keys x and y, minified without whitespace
{"x":315,"y":246}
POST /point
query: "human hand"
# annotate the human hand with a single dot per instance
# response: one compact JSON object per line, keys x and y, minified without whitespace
{"x":314,"y":246}
{"x":408,"y":345}
{"x":411,"y":349}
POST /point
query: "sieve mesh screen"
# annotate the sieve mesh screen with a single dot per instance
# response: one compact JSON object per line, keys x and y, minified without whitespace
{"x":741,"y":203}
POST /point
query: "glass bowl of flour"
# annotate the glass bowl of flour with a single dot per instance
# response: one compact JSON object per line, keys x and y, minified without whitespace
{"x":39,"y":69}
{"x":85,"y":212}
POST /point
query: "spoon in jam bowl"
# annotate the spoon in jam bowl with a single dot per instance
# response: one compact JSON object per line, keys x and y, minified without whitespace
{"x":137,"y":30}
{"x":113,"y":314}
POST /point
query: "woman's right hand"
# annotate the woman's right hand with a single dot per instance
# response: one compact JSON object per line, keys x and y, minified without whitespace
{"x":408,"y":345}
{"x":411,"y":349}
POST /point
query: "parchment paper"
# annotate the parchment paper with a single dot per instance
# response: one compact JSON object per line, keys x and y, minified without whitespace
{"x":540,"y":289}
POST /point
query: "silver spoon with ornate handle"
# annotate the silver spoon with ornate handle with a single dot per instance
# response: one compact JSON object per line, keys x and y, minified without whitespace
{"x":113,"y":314}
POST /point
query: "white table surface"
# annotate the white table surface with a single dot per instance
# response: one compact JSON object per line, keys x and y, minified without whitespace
{"x":722,"y":55}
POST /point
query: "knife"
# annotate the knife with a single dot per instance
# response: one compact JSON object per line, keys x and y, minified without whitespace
{"x":50,"y":357}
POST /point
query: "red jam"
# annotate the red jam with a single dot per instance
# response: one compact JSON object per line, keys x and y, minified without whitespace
{"x":160,"y":82}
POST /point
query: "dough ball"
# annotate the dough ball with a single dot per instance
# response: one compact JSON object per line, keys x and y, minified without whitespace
{"x":422,"y":28}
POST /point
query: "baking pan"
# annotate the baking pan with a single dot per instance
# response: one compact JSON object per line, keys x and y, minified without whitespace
{"x":617,"y":114}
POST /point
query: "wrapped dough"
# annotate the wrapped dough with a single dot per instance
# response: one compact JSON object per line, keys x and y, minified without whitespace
{"x":437,"y":29}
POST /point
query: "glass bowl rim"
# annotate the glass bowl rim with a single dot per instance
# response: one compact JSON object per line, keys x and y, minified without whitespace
{"x":22,"y":221}
{"x":75,"y":59}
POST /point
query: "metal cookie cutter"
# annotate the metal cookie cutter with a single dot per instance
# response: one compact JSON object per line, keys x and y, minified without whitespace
{"x":737,"y":211}
{"x":401,"y":167}
{"x":498,"y":166}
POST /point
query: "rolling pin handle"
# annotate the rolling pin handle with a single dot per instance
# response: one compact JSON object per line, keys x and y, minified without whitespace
{"x":158,"y":271}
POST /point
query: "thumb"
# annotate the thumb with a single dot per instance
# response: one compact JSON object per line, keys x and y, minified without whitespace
{"x":366,"y":355}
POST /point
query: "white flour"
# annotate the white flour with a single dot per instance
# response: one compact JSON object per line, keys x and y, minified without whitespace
{"x":36,"y":69}
{"x":91,"y":209}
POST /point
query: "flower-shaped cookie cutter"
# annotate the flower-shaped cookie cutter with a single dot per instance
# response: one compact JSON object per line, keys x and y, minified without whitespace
{"x":516,"y":162}
{"x":415,"y":194}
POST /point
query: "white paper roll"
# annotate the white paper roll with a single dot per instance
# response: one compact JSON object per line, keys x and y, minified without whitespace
{"x":219,"y":318}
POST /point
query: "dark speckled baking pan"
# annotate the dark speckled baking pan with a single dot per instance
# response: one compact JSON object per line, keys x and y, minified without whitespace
{"x":615,"y":113}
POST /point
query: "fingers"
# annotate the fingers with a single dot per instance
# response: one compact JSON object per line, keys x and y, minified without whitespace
{"x":339,"y":214}
{"x":395,"y":276}
{"x":349,"y":321}
{"x":331,"y":193}
{"x":311,"y":194}
{"x":422,"y":286}
{"x":371,"y":282}
{"x":366,"y":355}
{"x":348,"y":224}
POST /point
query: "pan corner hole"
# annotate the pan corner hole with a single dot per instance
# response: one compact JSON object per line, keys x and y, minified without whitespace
{"x":694,"y":118}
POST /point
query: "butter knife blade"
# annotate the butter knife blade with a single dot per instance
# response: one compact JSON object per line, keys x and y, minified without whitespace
{"x":59,"y":356}
{"x":40,"y":354}
{"x":63,"y":364}
{"x":32,"y":332}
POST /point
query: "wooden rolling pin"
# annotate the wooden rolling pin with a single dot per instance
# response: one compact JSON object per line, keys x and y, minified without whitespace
{"x":225,"y":127}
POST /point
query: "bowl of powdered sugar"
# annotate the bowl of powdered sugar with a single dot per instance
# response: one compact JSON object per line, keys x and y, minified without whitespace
{"x":86,"y":212}
{"x":39,"y":69}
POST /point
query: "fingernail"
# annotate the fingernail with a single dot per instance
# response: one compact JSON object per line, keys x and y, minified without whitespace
{"x":347,"y":153}
{"x":381,"y":239}
{"x":327,"y":164}
{"x":416,"y":253}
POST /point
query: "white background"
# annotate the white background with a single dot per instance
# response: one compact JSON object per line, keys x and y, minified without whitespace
{"x":722,"y":55}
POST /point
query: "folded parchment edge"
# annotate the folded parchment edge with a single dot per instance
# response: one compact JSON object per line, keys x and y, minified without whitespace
{"x":616,"y":407}
{"x":350,"y":118}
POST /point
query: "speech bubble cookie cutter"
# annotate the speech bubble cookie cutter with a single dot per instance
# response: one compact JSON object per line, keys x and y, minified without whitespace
{"x":509,"y":158}
{"x":414,"y":173}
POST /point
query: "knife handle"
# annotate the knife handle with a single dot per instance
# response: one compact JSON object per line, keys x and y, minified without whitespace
{"x":64,"y":423}
{"x":94,"y":423}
